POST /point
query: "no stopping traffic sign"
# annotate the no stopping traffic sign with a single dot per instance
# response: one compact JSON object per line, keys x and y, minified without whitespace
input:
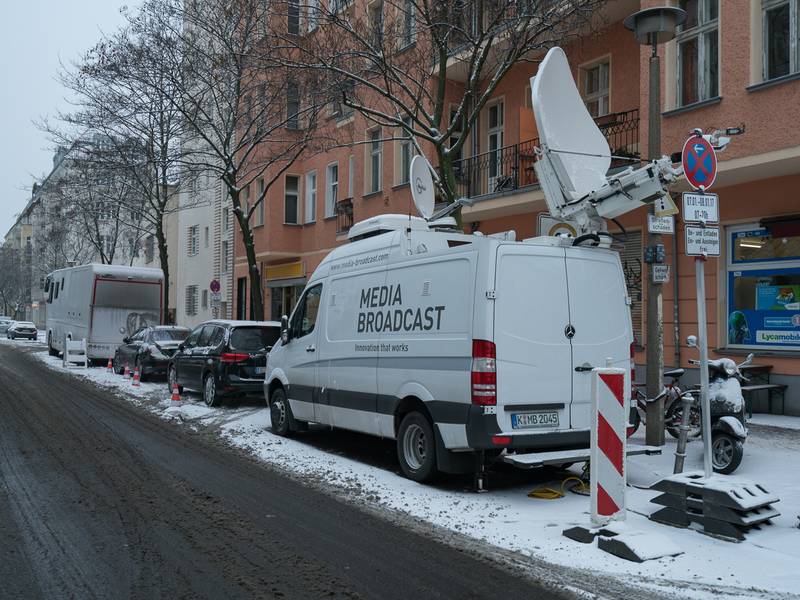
{"x":699,"y":162}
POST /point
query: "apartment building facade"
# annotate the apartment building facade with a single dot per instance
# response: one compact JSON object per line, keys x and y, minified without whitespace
{"x":732,"y":64}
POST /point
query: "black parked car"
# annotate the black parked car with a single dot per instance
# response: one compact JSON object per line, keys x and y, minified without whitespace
{"x":224,"y":358}
{"x":150,"y":349}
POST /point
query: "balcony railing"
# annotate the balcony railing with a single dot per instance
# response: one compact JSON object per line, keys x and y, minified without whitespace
{"x":510,"y":168}
{"x":344,"y":215}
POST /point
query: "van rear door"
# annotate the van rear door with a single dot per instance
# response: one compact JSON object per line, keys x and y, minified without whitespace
{"x":601,"y":318}
{"x":534,"y":366}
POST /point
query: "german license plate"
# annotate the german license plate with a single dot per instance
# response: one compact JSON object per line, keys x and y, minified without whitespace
{"x":261,"y":370}
{"x":532,"y":420}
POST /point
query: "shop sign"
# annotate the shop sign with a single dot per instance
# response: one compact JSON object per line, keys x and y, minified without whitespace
{"x":660,"y":224}
{"x":702,"y":241}
{"x":700,"y":208}
{"x":660,"y":273}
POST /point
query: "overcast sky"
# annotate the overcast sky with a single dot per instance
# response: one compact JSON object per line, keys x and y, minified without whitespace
{"x":34,"y":36}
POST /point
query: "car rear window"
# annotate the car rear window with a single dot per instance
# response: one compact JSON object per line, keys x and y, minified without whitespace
{"x":254,"y":339}
{"x":168,"y":335}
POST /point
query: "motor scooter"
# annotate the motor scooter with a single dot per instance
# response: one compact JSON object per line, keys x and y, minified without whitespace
{"x":728,"y":421}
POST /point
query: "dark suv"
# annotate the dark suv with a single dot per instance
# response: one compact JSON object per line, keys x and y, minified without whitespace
{"x":224,"y":358}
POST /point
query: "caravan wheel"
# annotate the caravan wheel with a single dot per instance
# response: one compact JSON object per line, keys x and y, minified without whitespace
{"x":50,"y":350}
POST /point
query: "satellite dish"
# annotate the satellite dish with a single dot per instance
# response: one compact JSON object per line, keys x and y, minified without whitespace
{"x":422,"y":186}
{"x":567,"y":128}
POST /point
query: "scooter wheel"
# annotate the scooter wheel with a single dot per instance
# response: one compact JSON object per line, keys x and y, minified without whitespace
{"x":726,"y":453}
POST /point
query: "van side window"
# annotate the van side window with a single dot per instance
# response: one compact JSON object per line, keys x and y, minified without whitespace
{"x":56,"y":290}
{"x":305,"y":317}
{"x":50,"y":296}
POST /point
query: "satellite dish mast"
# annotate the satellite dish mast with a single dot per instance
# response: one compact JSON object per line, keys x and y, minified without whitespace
{"x":574,"y":158}
{"x":422,"y":186}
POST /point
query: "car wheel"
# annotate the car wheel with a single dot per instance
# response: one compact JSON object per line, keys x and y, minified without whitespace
{"x":50,"y":350}
{"x":726,"y":453}
{"x":416,"y":447}
{"x":280,"y":413}
{"x":172,"y":379}
{"x":210,"y":394}
{"x":115,"y":364}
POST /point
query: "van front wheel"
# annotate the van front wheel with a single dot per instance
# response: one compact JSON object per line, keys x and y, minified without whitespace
{"x":280,"y":413}
{"x":416,"y":447}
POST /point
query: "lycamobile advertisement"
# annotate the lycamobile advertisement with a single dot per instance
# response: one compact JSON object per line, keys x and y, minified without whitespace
{"x":773,"y":315}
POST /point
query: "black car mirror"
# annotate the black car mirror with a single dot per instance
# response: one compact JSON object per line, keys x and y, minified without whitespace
{"x":126,"y":340}
{"x":285,"y":329}
{"x":181,"y":347}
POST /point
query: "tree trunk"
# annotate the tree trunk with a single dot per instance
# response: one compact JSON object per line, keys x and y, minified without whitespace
{"x":256,"y":295}
{"x":163,"y":256}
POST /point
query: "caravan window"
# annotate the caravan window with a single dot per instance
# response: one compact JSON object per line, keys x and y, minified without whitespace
{"x":56,"y":290}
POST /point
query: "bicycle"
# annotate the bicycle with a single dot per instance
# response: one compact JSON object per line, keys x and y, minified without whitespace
{"x":673,"y":407}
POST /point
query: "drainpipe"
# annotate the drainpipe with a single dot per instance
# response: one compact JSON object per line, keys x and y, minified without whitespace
{"x":675,"y":297}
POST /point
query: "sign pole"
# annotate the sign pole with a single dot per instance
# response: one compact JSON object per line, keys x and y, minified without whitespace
{"x":700,"y":276}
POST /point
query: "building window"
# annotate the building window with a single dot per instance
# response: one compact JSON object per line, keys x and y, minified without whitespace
{"x":331,"y":189}
{"x":149,"y":248}
{"x":291,"y":197}
{"x":405,"y":151}
{"x":206,"y":236}
{"x":311,"y":197}
{"x":223,"y":257}
{"x":495,"y":136}
{"x":595,"y":80}
{"x":226,"y":218}
{"x":763,"y":284}
{"x":191,"y":300}
{"x":781,"y":51}
{"x":312,"y":16}
{"x":374,"y":160}
{"x":376,"y":22}
{"x":193,"y":240}
{"x":261,"y":200}
{"x":409,"y":27}
{"x":458,"y":131}
{"x":204,"y":300}
{"x":293,"y":17}
{"x":245,"y":201}
{"x":292,"y":105}
{"x":698,"y":52}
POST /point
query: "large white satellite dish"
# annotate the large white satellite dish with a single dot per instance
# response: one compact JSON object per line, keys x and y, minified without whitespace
{"x":567,"y":129}
{"x":422,"y":186}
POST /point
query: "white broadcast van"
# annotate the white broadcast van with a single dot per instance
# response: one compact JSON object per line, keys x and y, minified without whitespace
{"x":459,"y":345}
{"x":102,"y":304}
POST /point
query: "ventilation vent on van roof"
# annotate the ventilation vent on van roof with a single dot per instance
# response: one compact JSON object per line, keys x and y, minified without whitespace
{"x":385,"y":223}
{"x":426,"y":288}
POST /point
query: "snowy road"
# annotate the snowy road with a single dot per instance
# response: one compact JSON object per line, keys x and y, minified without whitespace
{"x":101,"y":500}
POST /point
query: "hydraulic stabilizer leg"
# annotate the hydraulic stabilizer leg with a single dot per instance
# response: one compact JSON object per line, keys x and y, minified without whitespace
{"x":480,"y":472}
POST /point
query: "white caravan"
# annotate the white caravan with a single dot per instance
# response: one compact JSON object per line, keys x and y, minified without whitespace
{"x":101,"y":303}
{"x":458,"y":345}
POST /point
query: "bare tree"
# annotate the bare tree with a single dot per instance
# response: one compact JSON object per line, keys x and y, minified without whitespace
{"x":14,"y":278}
{"x":401,"y":63}
{"x":247,"y":119}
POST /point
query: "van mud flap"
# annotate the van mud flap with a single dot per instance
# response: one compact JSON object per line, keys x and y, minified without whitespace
{"x":533,"y":460}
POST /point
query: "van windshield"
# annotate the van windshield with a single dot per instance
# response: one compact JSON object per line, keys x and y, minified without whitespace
{"x":254,"y":339}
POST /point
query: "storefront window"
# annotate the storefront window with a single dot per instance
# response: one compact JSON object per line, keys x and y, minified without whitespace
{"x":764,"y":288}
{"x":283,"y":300}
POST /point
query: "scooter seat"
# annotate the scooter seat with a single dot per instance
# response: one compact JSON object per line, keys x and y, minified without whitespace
{"x":674,"y":373}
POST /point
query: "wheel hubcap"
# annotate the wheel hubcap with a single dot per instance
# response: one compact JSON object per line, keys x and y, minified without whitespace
{"x":278,"y":413}
{"x":209,"y":390}
{"x":722,"y":452}
{"x":414,"y":446}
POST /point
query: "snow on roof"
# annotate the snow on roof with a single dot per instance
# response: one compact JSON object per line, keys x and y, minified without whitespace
{"x":235,"y":323}
{"x":119,"y":271}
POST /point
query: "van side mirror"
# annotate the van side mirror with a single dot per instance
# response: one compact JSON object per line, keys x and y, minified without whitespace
{"x":126,"y":340}
{"x":284,"y":330}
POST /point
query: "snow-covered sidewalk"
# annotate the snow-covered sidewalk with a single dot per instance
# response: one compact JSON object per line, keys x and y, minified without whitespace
{"x":764,"y":566}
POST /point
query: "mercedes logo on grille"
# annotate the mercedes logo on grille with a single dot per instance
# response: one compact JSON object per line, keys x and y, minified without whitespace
{"x":569,"y":331}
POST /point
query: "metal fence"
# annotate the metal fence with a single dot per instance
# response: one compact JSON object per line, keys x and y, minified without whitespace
{"x":510,"y":168}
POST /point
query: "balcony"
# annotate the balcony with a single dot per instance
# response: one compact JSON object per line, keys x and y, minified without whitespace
{"x":510,"y":169}
{"x":344,"y":216}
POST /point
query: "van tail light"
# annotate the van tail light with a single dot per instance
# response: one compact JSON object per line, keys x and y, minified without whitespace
{"x":484,"y":373}
{"x":231,"y":357}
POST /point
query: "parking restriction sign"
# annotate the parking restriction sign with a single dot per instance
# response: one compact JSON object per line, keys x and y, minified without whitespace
{"x":699,"y":162}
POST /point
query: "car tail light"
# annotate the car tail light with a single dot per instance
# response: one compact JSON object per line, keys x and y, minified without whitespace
{"x":484,"y":373}
{"x":232,"y":357}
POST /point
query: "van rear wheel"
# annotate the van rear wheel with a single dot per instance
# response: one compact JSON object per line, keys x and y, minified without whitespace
{"x":416,"y":447}
{"x":50,"y":350}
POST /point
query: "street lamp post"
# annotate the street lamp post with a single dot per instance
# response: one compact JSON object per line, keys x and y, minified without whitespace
{"x":654,"y":26}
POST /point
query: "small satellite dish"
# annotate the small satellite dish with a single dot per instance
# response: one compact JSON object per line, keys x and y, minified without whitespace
{"x":567,"y":128}
{"x":422,"y":186}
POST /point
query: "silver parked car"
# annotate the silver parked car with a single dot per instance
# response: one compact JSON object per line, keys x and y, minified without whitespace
{"x":21,"y":329}
{"x":5,"y":323}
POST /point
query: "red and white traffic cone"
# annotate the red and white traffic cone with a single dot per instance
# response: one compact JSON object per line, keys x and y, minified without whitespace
{"x":110,"y":366}
{"x":176,"y":396}
{"x":135,"y":382}
{"x":127,"y":372}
